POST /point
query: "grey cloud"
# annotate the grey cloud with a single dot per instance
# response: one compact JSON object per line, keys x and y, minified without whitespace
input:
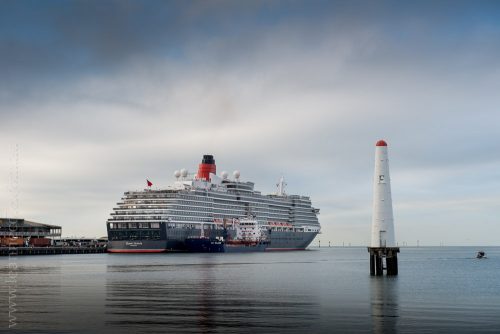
{"x":125,"y":96}
{"x":80,"y":37}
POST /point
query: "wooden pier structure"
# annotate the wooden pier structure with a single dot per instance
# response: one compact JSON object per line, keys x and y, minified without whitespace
{"x":377,"y":256}
{"x":15,"y":251}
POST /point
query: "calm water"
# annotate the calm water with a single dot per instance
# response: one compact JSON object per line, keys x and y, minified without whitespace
{"x":320,"y":291}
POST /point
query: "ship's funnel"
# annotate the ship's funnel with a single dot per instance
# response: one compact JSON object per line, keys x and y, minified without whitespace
{"x":206,"y":167}
{"x":382,"y":221}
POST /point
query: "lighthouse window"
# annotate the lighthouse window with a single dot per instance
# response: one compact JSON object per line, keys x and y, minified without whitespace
{"x":381,"y":178}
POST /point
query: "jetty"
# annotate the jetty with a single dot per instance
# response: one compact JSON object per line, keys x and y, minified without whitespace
{"x":15,"y":251}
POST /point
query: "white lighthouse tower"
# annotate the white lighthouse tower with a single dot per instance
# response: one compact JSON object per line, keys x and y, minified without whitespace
{"x":383,"y":245}
{"x":383,"y":220}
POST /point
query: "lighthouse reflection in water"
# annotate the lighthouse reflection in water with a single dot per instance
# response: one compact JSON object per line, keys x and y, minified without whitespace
{"x":322,"y":290}
{"x":384,"y":304}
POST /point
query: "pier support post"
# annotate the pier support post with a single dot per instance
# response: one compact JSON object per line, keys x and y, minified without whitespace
{"x":372,"y":264}
{"x":377,"y":255}
{"x":392,"y":263}
{"x":379,"y":269}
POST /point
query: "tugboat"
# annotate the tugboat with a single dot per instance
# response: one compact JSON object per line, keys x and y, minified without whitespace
{"x":481,"y":255}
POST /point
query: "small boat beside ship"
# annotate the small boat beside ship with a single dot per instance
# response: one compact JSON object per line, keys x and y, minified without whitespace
{"x":251,"y":236}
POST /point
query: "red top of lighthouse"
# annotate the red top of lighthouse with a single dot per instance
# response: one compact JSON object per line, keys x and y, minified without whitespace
{"x":381,"y":142}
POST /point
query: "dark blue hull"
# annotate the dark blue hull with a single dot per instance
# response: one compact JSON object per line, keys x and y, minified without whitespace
{"x":204,"y":245}
{"x":211,"y":245}
{"x":243,"y":248}
{"x":176,"y":239}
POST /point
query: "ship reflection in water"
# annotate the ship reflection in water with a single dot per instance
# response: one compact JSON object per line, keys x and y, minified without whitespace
{"x":205,"y":296}
{"x":327,"y":290}
{"x":384,"y":304}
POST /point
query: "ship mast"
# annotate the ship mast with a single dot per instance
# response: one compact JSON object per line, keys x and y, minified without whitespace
{"x":281,"y":186}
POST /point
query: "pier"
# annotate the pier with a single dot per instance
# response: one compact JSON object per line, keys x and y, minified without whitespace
{"x":15,"y":251}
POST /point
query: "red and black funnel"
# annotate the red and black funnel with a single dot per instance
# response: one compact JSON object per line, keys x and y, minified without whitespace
{"x":206,"y":167}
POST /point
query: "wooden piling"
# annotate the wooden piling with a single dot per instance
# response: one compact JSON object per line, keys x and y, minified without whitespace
{"x":372,"y":264}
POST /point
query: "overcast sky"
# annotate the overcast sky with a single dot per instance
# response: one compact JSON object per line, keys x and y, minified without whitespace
{"x":100,"y":95}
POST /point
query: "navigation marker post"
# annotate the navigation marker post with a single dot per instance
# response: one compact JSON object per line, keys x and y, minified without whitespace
{"x":383,"y":246}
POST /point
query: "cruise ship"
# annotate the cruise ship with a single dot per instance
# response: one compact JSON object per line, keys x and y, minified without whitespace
{"x":207,"y":205}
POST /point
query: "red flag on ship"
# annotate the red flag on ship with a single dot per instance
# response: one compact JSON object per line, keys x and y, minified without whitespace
{"x":149,"y":183}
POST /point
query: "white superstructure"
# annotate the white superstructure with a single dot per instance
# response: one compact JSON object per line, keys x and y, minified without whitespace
{"x":206,"y":200}
{"x":189,"y":203}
